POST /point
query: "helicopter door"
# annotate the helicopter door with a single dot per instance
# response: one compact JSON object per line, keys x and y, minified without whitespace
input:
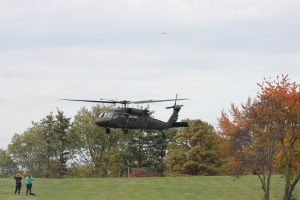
{"x":124,"y":120}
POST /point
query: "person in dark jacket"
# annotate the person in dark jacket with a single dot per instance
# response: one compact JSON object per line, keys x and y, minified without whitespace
{"x":18,"y":179}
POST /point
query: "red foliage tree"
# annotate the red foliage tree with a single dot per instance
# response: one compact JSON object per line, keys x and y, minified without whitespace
{"x":265,"y":133}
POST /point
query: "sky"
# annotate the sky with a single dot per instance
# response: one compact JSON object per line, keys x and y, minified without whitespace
{"x":210,"y":51}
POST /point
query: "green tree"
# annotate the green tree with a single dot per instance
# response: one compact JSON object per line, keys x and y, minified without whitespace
{"x":50,"y":141}
{"x":61,"y":126}
{"x":7,"y":166}
{"x":28,"y":150}
{"x":144,"y":149}
{"x":156,"y":151}
{"x":93,"y":147}
{"x":194,"y":150}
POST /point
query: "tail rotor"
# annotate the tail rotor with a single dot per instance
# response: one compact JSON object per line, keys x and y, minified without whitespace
{"x":173,"y":119}
{"x":175,"y":103}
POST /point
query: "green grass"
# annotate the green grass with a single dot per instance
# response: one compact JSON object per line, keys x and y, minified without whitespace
{"x":173,"y":188}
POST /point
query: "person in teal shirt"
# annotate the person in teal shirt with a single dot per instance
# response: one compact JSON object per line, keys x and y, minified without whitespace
{"x":29,"y":180}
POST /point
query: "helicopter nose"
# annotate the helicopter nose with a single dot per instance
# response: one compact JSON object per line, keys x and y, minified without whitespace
{"x":98,"y":121}
{"x":101,"y":121}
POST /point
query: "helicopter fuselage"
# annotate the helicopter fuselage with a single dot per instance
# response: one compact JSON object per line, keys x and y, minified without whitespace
{"x":133,"y":118}
{"x":130,"y":120}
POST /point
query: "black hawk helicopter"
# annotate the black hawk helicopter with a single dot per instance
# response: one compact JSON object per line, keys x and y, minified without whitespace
{"x":127,"y":118}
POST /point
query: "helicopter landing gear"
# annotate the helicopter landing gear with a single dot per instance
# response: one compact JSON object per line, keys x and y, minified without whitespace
{"x":125,"y":131}
{"x":107,"y":130}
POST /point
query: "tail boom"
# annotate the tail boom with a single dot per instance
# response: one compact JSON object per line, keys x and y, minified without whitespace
{"x":180,"y":124}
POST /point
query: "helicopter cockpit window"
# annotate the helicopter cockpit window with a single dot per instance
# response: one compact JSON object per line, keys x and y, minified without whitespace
{"x":109,"y":115}
{"x":102,"y":114}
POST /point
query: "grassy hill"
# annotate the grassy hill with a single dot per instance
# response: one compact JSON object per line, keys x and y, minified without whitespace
{"x":201,"y":187}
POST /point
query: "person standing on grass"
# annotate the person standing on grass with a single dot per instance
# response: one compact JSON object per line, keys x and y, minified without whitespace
{"x":18,"y":179}
{"x":29,"y":180}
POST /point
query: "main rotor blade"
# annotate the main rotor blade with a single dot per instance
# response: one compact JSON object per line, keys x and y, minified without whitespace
{"x":155,"y":101}
{"x":125,"y":102}
{"x":93,"y":101}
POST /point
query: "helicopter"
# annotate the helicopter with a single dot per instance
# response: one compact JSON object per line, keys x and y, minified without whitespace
{"x":126,"y":117}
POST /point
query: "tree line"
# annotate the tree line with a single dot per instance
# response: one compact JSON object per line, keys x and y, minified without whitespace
{"x":58,"y":147}
{"x":260,"y":137}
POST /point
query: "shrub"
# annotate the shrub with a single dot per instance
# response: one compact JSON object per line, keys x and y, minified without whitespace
{"x":142,"y":172}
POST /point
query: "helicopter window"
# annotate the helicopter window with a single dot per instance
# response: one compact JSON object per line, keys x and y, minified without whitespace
{"x":132,"y":118}
{"x":122,"y":116}
{"x":109,"y":115}
{"x":115,"y":116}
{"x":102,"y":114}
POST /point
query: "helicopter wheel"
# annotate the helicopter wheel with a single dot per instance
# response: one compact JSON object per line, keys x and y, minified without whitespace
{"x":107,"y":130}
{"x":125,"y":131}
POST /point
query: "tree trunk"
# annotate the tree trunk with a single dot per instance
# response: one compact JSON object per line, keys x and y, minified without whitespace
{"x":267,"y":195}
{"x":267,"y":191}
{"x":265,"y":184}
{"x":267,"y":187}
{"x":287,"y":192}
{"x":289,"y":187}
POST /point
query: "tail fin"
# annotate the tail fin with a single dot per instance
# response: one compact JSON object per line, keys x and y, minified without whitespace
{"x":174,"y":116}
{"x":173,"y":119}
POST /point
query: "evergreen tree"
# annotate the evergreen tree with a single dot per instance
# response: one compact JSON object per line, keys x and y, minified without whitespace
{"x":145,"y":150}
{"x":61,"y":126}
{"x":50,"y":140}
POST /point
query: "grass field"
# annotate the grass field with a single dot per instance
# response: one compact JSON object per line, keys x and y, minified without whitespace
{"x":201,"y":187}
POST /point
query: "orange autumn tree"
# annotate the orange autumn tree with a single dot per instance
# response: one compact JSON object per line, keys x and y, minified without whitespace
{"x":263,"y":135}
{"x":250,"y":142}
{"x":283,"y":98}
